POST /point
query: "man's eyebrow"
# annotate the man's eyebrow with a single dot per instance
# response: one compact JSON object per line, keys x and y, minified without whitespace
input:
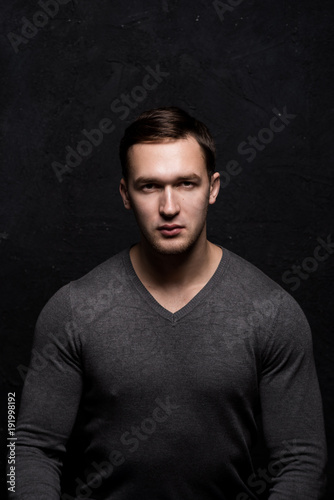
{"x":153,"y":180}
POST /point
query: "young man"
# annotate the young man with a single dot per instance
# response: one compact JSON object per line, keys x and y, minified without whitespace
{"x":169,"y":351}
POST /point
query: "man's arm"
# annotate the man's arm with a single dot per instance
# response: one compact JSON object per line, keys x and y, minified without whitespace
{"x":292,"y":408}
{"x":49,"y":403}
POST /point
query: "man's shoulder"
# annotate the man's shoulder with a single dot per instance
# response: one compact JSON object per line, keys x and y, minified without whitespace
{"x":243,"y":273}
{"x":257,"y":301}
{"x":110,"y":275}
{"x":251,"y":285}
{"x":103,"y":272}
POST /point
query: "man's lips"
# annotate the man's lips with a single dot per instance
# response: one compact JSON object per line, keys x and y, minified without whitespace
{"x":170,"y":229}
{"x":169,"y":226}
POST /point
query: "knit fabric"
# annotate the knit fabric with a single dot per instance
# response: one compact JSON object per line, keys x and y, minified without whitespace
{"x":166,"y":404}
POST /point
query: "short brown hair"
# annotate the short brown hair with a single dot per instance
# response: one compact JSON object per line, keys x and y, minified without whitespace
{"x":159,"y":124}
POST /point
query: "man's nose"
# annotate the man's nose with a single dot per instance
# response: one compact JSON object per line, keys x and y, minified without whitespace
{"x":169,"y":202}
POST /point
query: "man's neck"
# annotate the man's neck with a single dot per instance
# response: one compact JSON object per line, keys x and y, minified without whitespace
{"x":193,"y":268}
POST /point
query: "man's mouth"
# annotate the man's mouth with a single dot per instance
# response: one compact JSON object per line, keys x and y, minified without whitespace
{"x":170,"y":229}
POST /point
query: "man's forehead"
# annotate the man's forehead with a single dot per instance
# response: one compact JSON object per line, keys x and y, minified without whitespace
{"x":167,"y":161}
{"x":166,"y":145}
{"x":176,"y":152}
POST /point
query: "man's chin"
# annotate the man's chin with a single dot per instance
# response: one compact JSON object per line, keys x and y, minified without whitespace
{"x":171,"y":246}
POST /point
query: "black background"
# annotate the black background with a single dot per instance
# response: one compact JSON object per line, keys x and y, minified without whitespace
{"x":230,"y":71}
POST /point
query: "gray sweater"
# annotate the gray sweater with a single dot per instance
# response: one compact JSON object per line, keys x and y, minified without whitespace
{"x":168,"y":403}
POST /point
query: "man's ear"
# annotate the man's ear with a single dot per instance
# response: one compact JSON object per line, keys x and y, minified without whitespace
{"x":214,"y":187}
{"x":123,"y":189}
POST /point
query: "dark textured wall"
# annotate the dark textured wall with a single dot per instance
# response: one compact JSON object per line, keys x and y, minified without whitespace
{"x":85,"y":65}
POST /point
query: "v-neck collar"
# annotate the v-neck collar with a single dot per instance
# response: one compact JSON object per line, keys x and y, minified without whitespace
{"x":177,"y":315}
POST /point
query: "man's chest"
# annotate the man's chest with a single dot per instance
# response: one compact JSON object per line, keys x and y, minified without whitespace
{"x":174,"y":301}
{"x":204,"y":353}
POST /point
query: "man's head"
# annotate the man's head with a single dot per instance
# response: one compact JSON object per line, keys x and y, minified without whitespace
{"x":163,"y":124}
{"x":168,"y":178}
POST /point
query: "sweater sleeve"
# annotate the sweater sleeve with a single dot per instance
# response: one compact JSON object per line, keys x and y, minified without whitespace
{"x":49,"y":403}
{"x":292,"y":408}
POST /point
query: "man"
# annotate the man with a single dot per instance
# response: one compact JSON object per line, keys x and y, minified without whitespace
{"x":162,"y":358}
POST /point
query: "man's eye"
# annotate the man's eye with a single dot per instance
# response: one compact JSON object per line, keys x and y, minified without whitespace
{"x":151,"y":186}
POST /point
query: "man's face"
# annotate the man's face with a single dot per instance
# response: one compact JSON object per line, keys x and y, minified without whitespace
{"x":169,"y":191}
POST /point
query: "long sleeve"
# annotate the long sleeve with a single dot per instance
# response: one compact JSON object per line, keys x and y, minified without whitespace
{"x":292,"y":408}
{"x":167,"y":402}
{"x":49,"y":403}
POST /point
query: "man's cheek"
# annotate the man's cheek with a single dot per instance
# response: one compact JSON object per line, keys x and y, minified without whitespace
{"x":199,"y":205}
